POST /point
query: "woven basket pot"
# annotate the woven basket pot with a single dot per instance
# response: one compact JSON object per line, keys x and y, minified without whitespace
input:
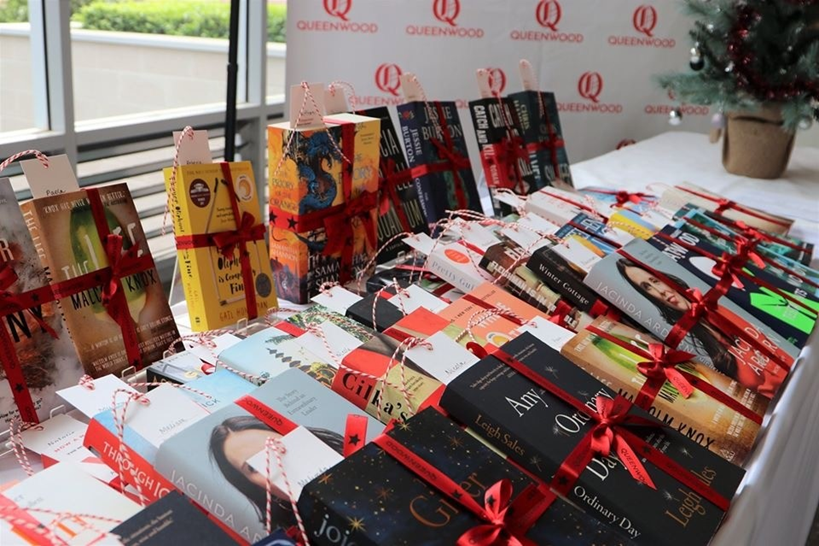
{"x":755,"y":144}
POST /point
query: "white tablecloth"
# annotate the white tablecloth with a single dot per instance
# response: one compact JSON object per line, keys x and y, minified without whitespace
{"x":779,"y":495}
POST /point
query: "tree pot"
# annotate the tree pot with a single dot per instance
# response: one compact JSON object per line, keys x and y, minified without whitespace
{"x":755,"y":144}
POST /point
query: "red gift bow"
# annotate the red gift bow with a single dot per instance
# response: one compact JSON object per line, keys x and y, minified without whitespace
{"x":120,"y":265}
{"x":622,"y":196}
{"x":454,"y":160}
{"x":656,"y":378}
{"x":726,"y":204}
{"x":756,"y":236}
{"x":701,"y":305}
{"x":248,"y":231}
{"x":505,"y":157}
{"x":496,"y":504}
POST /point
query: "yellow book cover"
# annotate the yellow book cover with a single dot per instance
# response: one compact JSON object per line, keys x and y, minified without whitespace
{"x":213,"y":282}
{"x":307,"y":195}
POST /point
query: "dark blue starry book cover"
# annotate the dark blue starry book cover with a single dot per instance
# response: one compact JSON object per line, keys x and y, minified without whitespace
{"x":372,"y":499}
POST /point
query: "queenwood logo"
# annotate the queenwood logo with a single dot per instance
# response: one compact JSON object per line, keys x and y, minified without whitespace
{"x":548,"y":14}
{"x":387,"y":79}
{"x":497,"y":80}
{"x":590,"y":87}
{"x":446,"y":12}
{"x":339,"y":20}
{"x":644,"y":20}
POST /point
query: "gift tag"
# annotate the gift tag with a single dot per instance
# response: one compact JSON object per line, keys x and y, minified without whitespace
{"x":510,"y":199}
{"x":478,"y":235}
{"x":411,"y":87}
{"x":334,"y":100}
{"x":194,"y":150}
{"x":337,"y":299}
{"x":445,"y":361}
{"x":337,"y":339}
{"x":58,"y":178}
{"x":414,"y":297}
{"x":306,"y":109}
{"x":304,"y":458}
{"x":548,"y":332}
{"x":211,"y":354}
{"x":456,"y":265}
{"x":91,"y":402}
{"x":576,"y":253}
{"x":484,"y":88}
{"x":530,"y":232}
{"x":527,"y":76}
{"x":169,"y":412}
{"x":421,"y":242}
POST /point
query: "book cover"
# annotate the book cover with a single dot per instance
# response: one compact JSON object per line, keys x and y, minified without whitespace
{"x":542,"y":132}
{"x":214,"y":462}
{"x":470,"y":321}
{"x":69,"y":243}
{"x":421,"y":323}
{"x":458,"y":265}
{"x":48,"y":364}
{"x":447,"y":186}
{"x":65,"y":489}
{"x":386,"y":313}
{"x":278,"y":538}
{"x":307,"y":194}
{"x":793,"y":320}
{"x":318,"y":314}
{"x":656,"y":306}
{"x":389,"y":505}
{"x":539,"y":431}
{"x":178,"y":368}
{"x":170,"y":521}
{"x":565,"y":279}
{"x":639,"y":203}
{"x":218,"y":389}
{"x":708,"y":422}
{"x":399,"y":206}
{"x":213,"y":282}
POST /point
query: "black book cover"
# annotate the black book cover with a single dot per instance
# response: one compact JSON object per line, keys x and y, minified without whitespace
{"x":538,"y":431}
{"x":171,"y":521}
{"x":372,"y":499}
{"x":560,"y":276}
{"x":279,"y":538}
{"x":386,"y":313}
{"x":389,"y":219}
{"x":793,"y":322}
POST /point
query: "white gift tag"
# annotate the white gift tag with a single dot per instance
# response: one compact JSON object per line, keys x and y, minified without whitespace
{"x":415,"y":297}
{"x":510,"y":199}
{"x":334,"y":100}
{"x":91,"y":402}
{"x":527,"y":76}
{"x":478,"y":235}
{"x":548,"y":332}
{"x":421,"y":242}
{"x":211,"y":354}
{"x":577,"y":254}
{"x":445,"y":361}
{"x":337,"y":299}
{"x":305,"y":458}
{"x":530,"y":232}
{"x":482,"y":75}
{"x":194,"y":150}
{"x":411,"y":88}
{"x":58,"y":178}
{"x":169,"y":412}
{"x":339,"y":341}
{"x":310,"y":108}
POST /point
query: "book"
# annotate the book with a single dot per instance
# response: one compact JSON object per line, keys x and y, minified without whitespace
{"x":214,"y":280}
{"x":170,"y":521}
{"x":637,"y":202}
{"x":45,"y":363}
{"x":470,"y":320}
{"x":390,"y":506}
{"x":656,"y":306}
{"x":376,"y":305}
{"x":793,"y":319}
{"x":539,"y":430}
{"x":312,"y":241}
{"x":556,"y":272}
{"x":399,"y":206}
{"x":70,"y":246}
{"x":708,"y":422}
{"x":427,"y":129}
{"x":216,"y":461}
{"x":218,"y":389}
{"x":178,"y":368}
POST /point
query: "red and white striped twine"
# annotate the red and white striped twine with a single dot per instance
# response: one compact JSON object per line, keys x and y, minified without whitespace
{"x":373,"y":259}
{"x":346,"y":86}
{"x":41,"y":157}
{"x":276,"y":446}
{"x":16,"y":428}
{"x":48,"y":531}
{"x":173,"y":201}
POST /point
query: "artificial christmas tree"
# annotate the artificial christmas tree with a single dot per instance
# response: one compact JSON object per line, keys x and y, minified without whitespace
{"x":757,"y":61}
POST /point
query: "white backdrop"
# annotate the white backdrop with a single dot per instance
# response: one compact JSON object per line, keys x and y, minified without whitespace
{"x":598,"y":56}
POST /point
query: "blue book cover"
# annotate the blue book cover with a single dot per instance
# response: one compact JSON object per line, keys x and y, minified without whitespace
{"x":223,"y":388}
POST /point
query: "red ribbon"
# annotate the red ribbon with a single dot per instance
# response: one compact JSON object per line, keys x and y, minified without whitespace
{"x":389,"y":180}
{"x":453,"y":160}
{"x":505,"y":521}
{"x":661,"y":366}
{"x":552,"y":144}
{"x":623,"y":196}
{"x":581,"y":206}
{"x":757,"y":235}
{"x":355,"y":433}
{"x":561,"y":313}
{"x":726,"y":204}
{"x":611,"y":434}
{"x":505,"y":157}
{"x":248,"y":231}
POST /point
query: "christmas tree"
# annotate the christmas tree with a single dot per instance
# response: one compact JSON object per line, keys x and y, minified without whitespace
{"x":750,"y":53}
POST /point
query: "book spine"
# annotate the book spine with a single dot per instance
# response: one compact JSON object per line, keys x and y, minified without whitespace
{"x":549,"y":268}
{"x":411,"y":134}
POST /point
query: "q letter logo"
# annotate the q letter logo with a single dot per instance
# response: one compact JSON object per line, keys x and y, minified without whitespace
{"x":447,"y":11}
{"x":497,"y":80}
{"x":338,"y":8}
{"x":548,"y":14}
{"x":388,"y":78}
{"x":590,"y":86}
{"x":645,"y":20}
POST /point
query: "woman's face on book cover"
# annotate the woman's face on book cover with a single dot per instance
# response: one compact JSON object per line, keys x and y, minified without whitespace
{"x":657,"y":289}
{"x":241,"y":445}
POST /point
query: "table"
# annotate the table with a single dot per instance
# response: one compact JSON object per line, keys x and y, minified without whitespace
{"x":777,"y":499}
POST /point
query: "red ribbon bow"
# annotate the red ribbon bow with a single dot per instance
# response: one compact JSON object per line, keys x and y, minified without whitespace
{"x":701,"y":306}
{"x":506,"y":156}
{"x":663,"y":366}
{"x":119,"y":263}
{"x":724,"y":204}
{"x":339,"y":227}
{"x":497,"y":500}
{"x":248,"y":231}
{"x":624,"y":197}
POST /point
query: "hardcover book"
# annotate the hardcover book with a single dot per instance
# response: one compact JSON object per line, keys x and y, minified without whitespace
{"x":708,"y":422}
{"x":538,"y":430}
{"x":791,"y":316}
{"x":640,"y":203}
{"x":399,"y":208}
{"x":213,"y":280}
{"x":470,"y":320}
{"x":178,"y":368}
{"x":323,"y":202}
{"x":216,"y":461}
{"x":371,"y":499}
{"x":566,"y":279}
{"x":624,"y":279}
{"x":170,"y":521}
{"x":46,"y":363}
{"x":433,"y":137}
{"x":70,"y":245}
{"x":385,"y":312}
